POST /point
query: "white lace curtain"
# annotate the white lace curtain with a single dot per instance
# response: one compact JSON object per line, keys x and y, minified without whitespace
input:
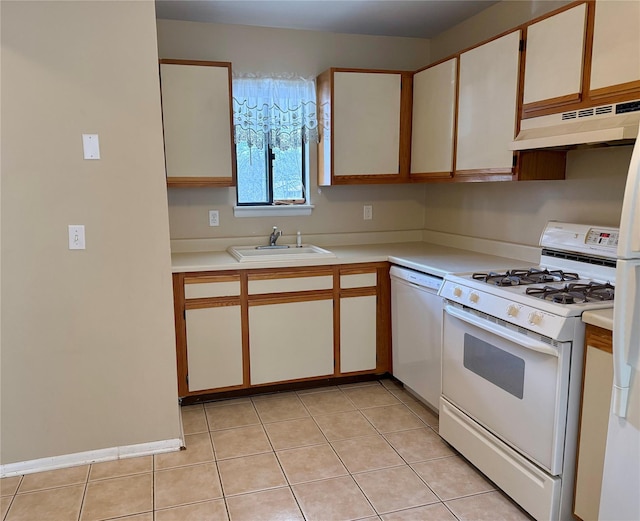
{"x":276,"y":111}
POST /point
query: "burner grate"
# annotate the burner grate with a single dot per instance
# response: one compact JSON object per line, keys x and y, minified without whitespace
{"x":520,"y":277}
{"x":575,"y":293}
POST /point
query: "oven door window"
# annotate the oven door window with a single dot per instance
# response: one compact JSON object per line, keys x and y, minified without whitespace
{"x":516,"y":392}
{"x":494,"y":365}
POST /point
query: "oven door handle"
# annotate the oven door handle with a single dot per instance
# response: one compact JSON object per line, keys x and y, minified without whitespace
{"x":521,"y":340}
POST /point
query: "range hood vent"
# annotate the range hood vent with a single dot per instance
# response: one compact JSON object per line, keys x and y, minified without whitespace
{"x":597,"y":125}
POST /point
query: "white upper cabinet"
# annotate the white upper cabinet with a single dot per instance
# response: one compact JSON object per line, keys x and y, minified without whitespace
{"x":196,"y":112}
{"x":361,"y":120}
{"x":366,"y":123}
{"x":554,"y":57}
{"x":487,"y":104}
{"x":616,"y":46}
{"x":432,"y":136}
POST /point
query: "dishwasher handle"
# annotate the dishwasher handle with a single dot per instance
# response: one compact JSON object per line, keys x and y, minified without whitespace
{"x":518,"y":338}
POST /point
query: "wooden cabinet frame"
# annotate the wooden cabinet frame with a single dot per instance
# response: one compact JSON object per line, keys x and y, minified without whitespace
{"x":325,"y":97}
{"x":527,"y":165}
{"x":195,"y":182}
{"x":586,"y":98}
{"x":599,"y":339}
{"x":245,"y":300}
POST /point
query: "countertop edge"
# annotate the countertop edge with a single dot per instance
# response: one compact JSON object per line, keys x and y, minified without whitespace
{"x":600,"y":317}
{"x":435,"y":259}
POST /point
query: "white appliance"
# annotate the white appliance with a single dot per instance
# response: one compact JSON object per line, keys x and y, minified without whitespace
{"x":611,"y":123}
{"x":416,"y":318}
{"x":512,"y":360}
{"x":620,"y":497}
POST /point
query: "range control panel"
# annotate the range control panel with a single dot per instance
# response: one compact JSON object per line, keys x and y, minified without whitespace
{"x":599,"y":237}
{"x":601,"y":241}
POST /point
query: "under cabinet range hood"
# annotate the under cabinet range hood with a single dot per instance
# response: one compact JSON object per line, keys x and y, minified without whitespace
{"x":615,"y":123}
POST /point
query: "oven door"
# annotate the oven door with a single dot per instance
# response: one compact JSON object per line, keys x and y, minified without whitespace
{"x":513,"y":384}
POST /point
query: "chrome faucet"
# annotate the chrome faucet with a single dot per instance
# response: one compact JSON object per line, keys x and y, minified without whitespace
{"x":274,"y":236}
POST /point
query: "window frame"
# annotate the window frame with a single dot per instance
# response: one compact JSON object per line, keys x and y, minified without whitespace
{"x":281,"y":210}
{"x":269,"y":158}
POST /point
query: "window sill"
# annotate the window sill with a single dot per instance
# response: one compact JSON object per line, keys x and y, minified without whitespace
{"x":280,"y":210}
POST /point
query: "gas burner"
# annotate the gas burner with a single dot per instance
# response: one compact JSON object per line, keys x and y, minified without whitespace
{"x":574,"y":293}
{"x":498,"y":279}
{"x":520,"y":277}
{"x":540,"y":276}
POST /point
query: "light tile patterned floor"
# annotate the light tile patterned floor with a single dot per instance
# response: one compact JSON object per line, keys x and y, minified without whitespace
{"x":363,"y":451}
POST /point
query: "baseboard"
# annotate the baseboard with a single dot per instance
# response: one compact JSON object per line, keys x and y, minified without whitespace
{"x":91,"y":456}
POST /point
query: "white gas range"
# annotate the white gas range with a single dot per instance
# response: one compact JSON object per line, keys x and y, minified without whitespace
{"x":512,"y":364}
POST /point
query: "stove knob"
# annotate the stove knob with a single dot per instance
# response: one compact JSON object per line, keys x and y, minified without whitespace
{"x":512,"y":310}
{"x":457,"y":292}
{"x":535,"y":318}
{"x":474,"y":297}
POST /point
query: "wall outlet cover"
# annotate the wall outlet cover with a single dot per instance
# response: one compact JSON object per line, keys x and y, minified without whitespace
{"x":91,"y":146}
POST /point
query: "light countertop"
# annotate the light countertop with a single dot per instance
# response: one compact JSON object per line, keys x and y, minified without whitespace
{"x":430,"y":258}
{"x":601,"y":317}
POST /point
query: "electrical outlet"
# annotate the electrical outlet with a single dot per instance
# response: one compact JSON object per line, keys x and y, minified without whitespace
{"x":368,"y":212}
{"x":76,"y":237}
{"x":214,"y":218}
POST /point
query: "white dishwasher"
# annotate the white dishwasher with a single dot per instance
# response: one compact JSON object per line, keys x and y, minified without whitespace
{"x":416,"y":326}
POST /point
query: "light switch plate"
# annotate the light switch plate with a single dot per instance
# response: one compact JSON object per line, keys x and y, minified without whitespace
{"x":76,"y":237}
{"x":91,"y":146}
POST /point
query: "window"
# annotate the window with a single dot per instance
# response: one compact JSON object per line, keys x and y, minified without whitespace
{"x":271,"y":175}
{"x":274,"y":120}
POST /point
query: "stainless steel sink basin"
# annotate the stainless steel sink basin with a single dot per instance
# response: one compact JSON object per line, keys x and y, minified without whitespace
{"x":278,"y":253}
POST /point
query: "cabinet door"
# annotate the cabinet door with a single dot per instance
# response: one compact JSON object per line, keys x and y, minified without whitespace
{"x":487,"y":105}
{"x":615,"y":62}
{"x":358,"y":333}
{"x":366,"y":123}
{"x":434,"y":91}
{"x":289,"y":341}
{"x":594,"y":422}
{"x":214,"y":347}
{"x":553,"y":66}
{"x":196,"y":112}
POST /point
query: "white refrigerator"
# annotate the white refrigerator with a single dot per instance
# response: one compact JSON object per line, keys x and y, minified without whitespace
{"x":620,"y":499}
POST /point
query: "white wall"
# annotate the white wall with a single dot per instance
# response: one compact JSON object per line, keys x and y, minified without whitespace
{"x":518,"y":211}
{"x":255,"y":49}
{"x":494,"y":20}
{"x":88,"y":349}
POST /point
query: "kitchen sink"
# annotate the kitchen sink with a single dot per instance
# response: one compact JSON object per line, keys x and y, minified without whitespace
{"x":278,"y":253}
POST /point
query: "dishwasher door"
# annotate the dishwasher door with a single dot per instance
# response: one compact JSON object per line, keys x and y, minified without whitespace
{"x":416,"y":325}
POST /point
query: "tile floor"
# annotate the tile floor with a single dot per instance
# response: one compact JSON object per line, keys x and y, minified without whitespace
{"x":363,"y":451}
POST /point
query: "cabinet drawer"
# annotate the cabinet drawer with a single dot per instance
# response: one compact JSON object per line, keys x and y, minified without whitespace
{"x":290,"y":284}
{"x":209,"y":287}
{"x":358,"y":280}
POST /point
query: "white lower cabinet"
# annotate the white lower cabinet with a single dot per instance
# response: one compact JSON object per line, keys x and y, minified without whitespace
{"x":238,"y":329}
{"x":214,"y":353}
{"x":594,"y":422}
{"x":289,"y":341}
{"x":358,"y":333}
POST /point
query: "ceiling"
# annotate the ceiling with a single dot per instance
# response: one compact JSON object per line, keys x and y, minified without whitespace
{"x":409,"y":18}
